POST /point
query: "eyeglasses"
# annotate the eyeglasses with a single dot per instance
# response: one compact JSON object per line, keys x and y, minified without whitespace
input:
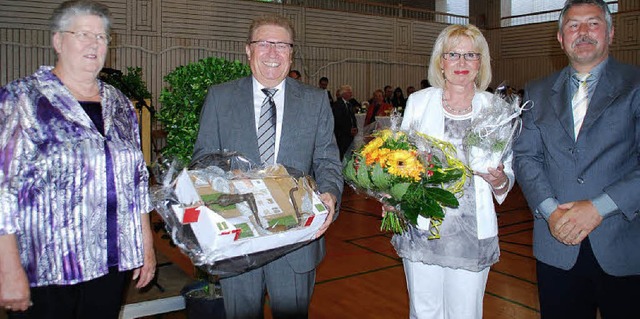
{"x":281,"y":47}
{"x":87,"y":36}
{"x":455,"y":56}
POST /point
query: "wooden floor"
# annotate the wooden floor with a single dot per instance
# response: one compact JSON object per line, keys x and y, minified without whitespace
{"x":362,"y":277}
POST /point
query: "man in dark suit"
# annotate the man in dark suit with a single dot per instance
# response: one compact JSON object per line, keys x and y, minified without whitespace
{"x":346,"y":126}
{"x":577,"y":161}
{"x":323,"y":83}
{"x":303,"y":140}
{"x":388,"y":94}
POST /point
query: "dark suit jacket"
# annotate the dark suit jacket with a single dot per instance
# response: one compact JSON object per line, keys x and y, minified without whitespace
{"x":604,"y":159}
{"x":227,"y":121}
{"x":344,"y":120}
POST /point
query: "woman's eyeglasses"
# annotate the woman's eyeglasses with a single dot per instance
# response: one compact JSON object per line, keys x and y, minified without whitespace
{"x":455,"y":56}
{"x":87,"y":36}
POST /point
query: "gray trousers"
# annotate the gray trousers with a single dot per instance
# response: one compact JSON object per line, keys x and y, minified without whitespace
{"x":289,"y":292}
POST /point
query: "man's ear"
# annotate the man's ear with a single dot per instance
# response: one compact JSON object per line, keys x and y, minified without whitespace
{"x":559,"y":37}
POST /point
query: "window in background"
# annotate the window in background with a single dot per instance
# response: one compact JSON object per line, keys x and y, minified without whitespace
{"x":518,"y":12}
{"x":458,"y":9}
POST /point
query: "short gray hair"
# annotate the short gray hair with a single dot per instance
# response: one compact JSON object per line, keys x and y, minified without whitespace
{"x":68,"y":10}
{"x":600,"y":3}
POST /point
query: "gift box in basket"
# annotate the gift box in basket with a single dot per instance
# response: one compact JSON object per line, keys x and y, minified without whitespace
{"x":231,"y":219}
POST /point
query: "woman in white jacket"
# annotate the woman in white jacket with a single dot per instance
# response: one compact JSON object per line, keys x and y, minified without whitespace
{"x":446,"y":277}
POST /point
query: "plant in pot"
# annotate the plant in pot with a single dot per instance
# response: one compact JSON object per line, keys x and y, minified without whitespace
{"x":129,"y":83}
{"x":182,"y":101}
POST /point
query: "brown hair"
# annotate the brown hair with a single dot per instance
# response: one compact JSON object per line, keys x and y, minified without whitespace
{"x":276,"y":20}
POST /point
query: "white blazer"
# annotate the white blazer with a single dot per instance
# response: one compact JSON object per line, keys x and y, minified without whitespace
{"x":424,"y":113}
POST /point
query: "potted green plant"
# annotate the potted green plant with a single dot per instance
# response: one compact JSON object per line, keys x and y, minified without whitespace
{"x":182,"y":101}
{"x":129,"y":83}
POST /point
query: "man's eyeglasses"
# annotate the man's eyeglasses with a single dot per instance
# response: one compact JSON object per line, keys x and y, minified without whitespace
{"x":267,"y":45}
{"x":87,"y":36}
{"x":455,"y":56}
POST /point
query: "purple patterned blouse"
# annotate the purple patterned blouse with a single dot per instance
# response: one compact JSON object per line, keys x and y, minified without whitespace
{"x":53,"y":180}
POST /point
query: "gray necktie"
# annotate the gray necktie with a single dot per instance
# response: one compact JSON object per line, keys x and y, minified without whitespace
{"x":580,"y":102}
{"x":267,"y":128}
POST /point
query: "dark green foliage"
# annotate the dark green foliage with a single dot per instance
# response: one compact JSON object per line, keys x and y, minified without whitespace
{"x":130,"y":83}
{"x":182,"y":100}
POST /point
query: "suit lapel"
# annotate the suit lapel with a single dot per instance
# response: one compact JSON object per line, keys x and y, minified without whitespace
{"x":559,"y":98}
{"x":244,"y":106}
{"x":607,"y":90}
{"x":290,"y":115}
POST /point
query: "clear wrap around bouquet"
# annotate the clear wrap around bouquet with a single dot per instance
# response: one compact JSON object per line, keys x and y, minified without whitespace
{"x":492,"y":130}
{"x":228,"y":215}
{"x":416,"y":173}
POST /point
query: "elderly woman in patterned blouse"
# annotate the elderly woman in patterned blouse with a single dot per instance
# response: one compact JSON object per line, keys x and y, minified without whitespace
{"x":73,"y":183}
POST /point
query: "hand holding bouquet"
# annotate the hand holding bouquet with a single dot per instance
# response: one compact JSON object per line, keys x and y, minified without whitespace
{"x":413,"y":172}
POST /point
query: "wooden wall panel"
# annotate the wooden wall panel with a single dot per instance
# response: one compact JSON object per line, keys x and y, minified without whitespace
{"x":363,"y":50}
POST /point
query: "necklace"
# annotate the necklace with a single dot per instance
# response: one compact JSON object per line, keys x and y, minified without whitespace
{"x":452,"y":110}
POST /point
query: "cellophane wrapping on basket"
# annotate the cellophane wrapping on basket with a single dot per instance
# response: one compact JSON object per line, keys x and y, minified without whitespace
{"x":490,"y":135}
{"x":229,"y":215}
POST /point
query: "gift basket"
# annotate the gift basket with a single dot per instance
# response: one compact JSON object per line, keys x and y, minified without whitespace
{"x":229,"y":215}
{"x":493,"y":129}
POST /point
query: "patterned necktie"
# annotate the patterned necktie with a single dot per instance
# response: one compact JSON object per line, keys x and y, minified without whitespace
{"x":580,"y":102}
{"x":267,"y":128}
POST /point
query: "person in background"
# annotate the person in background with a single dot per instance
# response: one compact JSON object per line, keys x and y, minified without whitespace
{"x":302,"y":139}
{"x":295,"y":74}
{"x":377,"y":107}
{"x":577,"y":163}
{"x":346,"y":126}
{"x":74,"y":183}
{"x":446,"y":277}
{"x":398,"y":100}
{"x":410,"y":90}
{"x":425,"y":84}
{"x":323,"y":83}
{"x":388,"y":94}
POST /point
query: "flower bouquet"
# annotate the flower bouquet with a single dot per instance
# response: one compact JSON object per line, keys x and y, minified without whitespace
{"x":415,"y":173}
{"x":492,"y":130}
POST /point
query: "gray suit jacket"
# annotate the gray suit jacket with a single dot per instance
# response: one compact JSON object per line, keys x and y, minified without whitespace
{"x":604,"y":159}
{"x":227,"y":122}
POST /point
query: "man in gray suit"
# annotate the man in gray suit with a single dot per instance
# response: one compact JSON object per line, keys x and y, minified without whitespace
{"x":577,"y":161}
{"x":303,"y":136}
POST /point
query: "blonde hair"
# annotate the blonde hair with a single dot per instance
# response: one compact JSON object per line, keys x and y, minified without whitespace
{"x":449,"y":38}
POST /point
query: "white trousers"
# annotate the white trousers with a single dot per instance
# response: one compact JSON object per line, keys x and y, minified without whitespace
{"x":437,"y":292}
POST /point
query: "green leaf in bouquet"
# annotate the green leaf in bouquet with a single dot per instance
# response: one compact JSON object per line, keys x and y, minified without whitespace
{"x":472,"y":139}
{"x":430,"y":208}
{"x":445,"y":175}
{"x":350,"y":170}
{"x":380,"y":178}
{"x":442,"y":196}
{"x":498,"y":146}
{"x":399,"y":190}
{"x":362,"y":178}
